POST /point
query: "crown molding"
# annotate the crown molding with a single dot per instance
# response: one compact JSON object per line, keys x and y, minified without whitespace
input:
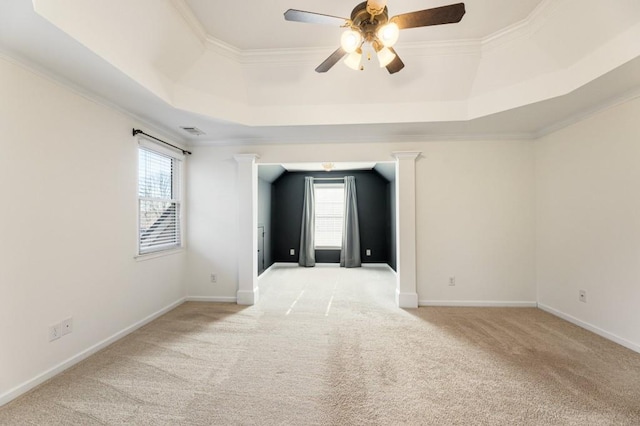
{"x":190,"y":18}
{"x":297,"y":55}
{"x":524,"y":28}
{"x":222,"y":48}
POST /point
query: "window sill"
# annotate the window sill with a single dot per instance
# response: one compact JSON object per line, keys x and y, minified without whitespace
{"x":327,"y":248}
{"x":154,"y":255}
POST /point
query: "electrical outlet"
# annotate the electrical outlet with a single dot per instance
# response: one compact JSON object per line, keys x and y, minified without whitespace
{"x":214,"y":278}
{"x":582,"y":296}
{"x":292,"y":252}
{"x":66,"y":326}
{"x":452,"y":281}
{"x":368,"y":252}
{"x":54,"y":332}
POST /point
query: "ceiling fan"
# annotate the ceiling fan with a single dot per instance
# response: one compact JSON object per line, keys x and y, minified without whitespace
{"x":371,"y":28}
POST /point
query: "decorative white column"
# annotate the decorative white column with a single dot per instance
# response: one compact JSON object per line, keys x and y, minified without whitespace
{"x":406,"y":292}
{"x":247,"y":185}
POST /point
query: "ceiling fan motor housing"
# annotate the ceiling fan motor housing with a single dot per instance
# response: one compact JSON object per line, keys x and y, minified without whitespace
{"x":366,"y":23}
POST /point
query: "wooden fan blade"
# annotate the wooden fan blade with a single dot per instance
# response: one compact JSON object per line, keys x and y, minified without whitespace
{"x":395,"y":65}
{"x":331,"y":60}
{"x":436,"y":16}
{"x":314,"y":18}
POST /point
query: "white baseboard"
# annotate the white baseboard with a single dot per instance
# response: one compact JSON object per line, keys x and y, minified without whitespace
{"x":248,"y":297}
{"x":381,"y":265}
{"x":212,"y":299}
{"x":478,"y":303}
{"x":406,"y":300}
{"x":600,"y":332}
{"x":376,"y":265}
{"x":41,"y":378}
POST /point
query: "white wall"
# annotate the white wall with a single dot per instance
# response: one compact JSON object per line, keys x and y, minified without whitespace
{"x":475,"y":215}
{"x":212,"y":215}
{"x":68,"y":229}
{"x":588,"y":222}
{"x":475,"y":208}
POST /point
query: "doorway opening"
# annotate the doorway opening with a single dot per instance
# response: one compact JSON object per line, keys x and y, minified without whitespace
{"x":405,"y":228}
{"x":280,"y":201}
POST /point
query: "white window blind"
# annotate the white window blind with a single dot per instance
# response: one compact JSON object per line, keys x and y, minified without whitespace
{"x":329,"y":213}
{"x":159,"y":201}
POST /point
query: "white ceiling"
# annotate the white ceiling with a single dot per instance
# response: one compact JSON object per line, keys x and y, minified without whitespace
{"x":250,"y":24}
{"x":254,"y":26}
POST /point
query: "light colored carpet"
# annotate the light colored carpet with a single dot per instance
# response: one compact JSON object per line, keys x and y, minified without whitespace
{"x":328,"y":346}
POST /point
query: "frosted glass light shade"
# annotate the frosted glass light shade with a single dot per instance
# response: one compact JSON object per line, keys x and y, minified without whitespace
{"x":350,"y":40}
{"x":385,"y":56}
{"x":353,"y":60}
{"x":388,"y":34}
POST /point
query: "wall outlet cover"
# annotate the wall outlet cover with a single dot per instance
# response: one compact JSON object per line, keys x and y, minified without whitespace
{"x":582,"y":296}
{"x":66,"y":326}
{"x":54,"y":332}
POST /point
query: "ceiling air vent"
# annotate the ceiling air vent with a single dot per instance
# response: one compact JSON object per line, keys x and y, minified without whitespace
{"x":193,"y":131}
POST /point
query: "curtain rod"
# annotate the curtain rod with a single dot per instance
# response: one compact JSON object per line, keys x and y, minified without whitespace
{"x":136,"y":131}
{"x":328,"y":178}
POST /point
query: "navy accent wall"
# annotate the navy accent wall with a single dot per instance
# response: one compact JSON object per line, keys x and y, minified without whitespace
{"x":264,"y":219}
{"x":374,"y":216}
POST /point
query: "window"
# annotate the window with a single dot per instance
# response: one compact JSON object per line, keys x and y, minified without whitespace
{"x":329,"y":213}
{"x":158,"y":199}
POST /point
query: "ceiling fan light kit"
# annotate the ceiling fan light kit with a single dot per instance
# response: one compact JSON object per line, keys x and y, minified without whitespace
{"x":350,"y":40}
{"x":385,"y":56}
{"x":388,"y":34}
{"x":370,"y":25}
{"x":328,"y":166}
{"x":354,"y":59}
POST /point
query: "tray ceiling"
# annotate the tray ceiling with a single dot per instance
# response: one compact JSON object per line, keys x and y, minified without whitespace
{"x":240,"y":72}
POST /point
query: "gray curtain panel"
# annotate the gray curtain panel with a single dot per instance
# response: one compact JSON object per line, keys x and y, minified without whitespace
{"x":307,"y":247}
{"x":350,"y":253}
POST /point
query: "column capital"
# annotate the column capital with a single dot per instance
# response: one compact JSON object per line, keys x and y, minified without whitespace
{"x":406,"y":155}
{"x":246,"y":158}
